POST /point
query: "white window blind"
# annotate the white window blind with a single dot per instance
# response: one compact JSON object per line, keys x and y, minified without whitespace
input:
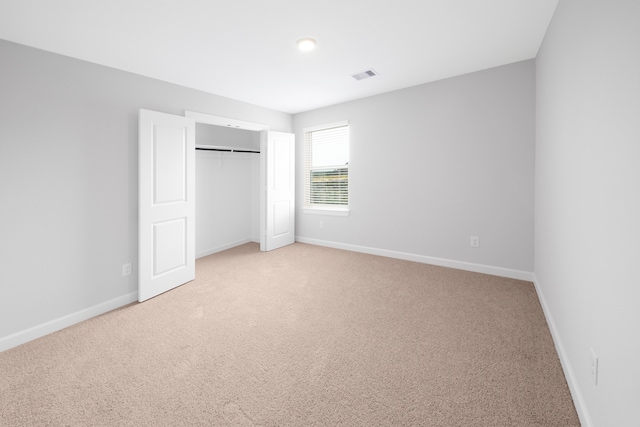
{"x":326,"y":182}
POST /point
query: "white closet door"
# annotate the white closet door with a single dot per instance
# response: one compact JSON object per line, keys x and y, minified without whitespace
{"x":166,"y":202}
{"x":277,"y":200}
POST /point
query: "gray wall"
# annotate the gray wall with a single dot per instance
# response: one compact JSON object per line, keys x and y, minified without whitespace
{"x":587,"y":213}
{"x":68,"y":178}
{"x":434,"y":164}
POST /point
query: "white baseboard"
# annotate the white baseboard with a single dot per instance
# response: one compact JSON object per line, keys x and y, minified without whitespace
{"x":51,"y":326}
{"x":223,"y":247}
{"x":574,"y":388}
{"x":572,"y":382}
{"x":35,"y":332}
{"x":442,"y":262}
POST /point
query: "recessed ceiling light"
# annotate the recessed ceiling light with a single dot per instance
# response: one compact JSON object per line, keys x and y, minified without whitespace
{"x":306,"y":45}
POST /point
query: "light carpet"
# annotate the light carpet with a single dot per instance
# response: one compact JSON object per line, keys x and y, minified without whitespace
{"x":300,"y":336}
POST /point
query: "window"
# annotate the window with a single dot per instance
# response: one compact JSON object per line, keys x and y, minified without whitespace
{"x":326,"y":168}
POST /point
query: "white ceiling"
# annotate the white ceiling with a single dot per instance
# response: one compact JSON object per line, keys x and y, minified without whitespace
{"x":245,"y":49}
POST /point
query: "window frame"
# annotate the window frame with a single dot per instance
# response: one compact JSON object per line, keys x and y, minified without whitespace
{"x":322,"y":209}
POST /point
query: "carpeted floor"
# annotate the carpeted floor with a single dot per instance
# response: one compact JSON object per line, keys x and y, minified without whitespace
{"x":300,"y":336}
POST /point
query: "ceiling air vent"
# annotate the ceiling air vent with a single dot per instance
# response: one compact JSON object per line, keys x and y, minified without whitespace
{"x":365,"y":75}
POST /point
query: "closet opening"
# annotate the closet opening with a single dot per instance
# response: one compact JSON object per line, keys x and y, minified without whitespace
{"x":238,"y":188}
{"x":227,"y":187}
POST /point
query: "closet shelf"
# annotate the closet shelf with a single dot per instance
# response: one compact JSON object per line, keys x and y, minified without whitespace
{"x":226,"y":149}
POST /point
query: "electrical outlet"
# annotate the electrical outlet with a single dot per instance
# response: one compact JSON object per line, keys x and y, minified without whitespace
{"x":126,"y":269}
{"x":475,"y":241}
{"x":594,"y":367}
{"x":321,"y":225}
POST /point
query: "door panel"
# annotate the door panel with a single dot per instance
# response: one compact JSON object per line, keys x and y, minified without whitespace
{"x":277,"y":200}
{"x":169,"y":173}
{"x":281,"y":162}
{"x":169,"y":245}
{"x":166,"y":202}
{"x":281,"y":218}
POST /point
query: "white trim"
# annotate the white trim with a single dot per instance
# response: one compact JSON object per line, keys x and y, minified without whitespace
{"x":572,"y":382}
{"x":326,"y":211}
{"x":225,"y":121}
{"x":51,"y":326}
{"x":327,"y":126}
{"x":315,"y":208}
{"x":442,"y":262}
{"x":223,"y":247}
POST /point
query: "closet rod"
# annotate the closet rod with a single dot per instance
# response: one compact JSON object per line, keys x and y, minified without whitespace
{"x":232,"y":150}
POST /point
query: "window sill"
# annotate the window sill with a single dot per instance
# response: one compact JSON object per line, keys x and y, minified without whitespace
{"x":327,"y":211}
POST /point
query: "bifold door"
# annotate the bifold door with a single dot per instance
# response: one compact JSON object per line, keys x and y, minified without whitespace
{"x":166,"y":202}
{"x":277,"y":200}
{"x":167,"y":199}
